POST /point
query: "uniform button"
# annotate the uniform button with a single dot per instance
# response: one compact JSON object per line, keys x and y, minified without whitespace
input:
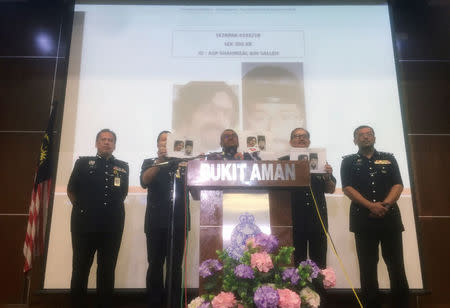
{"x":370,"y":168}
{"x":105,"y":203}
{"x":373,"y":191}
{"x":106,"y":195}
{"x":307,"y":203}
{"x":106,"y":165}
{"x":373,"y":183}
{"x":106,"y":172}
{"x":374,"y":200}
{"x":106,"y":186}
{"x":371,"y":175}
{"x":307,"y":194}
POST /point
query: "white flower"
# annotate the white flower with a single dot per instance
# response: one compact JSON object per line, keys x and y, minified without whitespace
{"x":310,"y":297}
{"x":196,"y":302}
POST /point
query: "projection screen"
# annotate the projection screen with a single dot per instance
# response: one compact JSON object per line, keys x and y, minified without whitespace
{"x":332,"y":68}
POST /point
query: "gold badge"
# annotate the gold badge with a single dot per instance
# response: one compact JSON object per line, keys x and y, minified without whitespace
{"x":382,"y":162}
{"x":91,"y":162}
{"x":116,"y":181}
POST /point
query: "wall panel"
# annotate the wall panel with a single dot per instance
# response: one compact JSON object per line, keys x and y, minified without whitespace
{"x":436,"y":252}
{"x":26,"y":88}
{"x":430,"y":162}
{"x":36,"y":26}
{"x":12,"y":235}
{"x":422,"y":28}
{"x":426,"y":90}
{"x":21,"y":151}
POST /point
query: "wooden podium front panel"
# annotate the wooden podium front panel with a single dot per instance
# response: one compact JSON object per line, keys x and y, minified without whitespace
{"x":277,"y":178}
{"x":211,"y":216}
{"x":211,"y":220}
{"x":281,"y":216}
{"x":211,"y":207}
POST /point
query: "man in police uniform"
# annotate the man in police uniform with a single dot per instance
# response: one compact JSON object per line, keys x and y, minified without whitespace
{"x":307,"y":229}
{"x":157,"y":176}
{"x":372,"y":181}
{"x":97,"y":189}
{"x":229,"y":141}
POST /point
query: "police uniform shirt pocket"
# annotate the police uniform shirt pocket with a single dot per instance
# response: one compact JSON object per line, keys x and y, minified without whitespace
{"x":383,"y":169}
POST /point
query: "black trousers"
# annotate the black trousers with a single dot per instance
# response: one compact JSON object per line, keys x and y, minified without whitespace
{"x":157,"y":253}
{"x":84,"y":246}
{"x":392,"y":252}
{"x":317,"y":244}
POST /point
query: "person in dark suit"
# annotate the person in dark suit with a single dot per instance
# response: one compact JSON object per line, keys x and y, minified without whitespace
{"x":157,"y":175}
{"x":97,"y":189}
{"x":229,"y":141}
{"x":308,"y":235}
{"x":372,"y":181}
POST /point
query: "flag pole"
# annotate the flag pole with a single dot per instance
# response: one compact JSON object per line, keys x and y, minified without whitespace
{"x":40,"y":199}
{"x":26,"y":289}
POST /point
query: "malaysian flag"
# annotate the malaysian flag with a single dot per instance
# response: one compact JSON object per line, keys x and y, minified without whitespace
{"x":40,"y":197}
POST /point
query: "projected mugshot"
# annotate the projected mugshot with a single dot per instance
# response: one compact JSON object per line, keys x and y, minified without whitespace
{"x":273,"y":99}
{"x":203,"y":109}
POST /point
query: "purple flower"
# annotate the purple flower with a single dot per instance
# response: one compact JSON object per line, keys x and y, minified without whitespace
{"x":315,"y":269}
{"x":267,"y":242}
{"x":209,"y":267}
{"x":244,"y":271}
{"x":205,"y":305}
{"x":291,"y":274}
{"x":266,"y":297}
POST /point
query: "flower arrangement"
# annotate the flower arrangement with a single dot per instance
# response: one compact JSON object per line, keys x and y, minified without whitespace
{"x":261,"y":278}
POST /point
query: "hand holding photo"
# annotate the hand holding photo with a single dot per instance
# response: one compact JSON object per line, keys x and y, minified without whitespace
{"x":317,"y":158}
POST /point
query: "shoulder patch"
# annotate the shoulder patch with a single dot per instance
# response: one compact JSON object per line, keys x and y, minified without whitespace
{"x":87,"y":157}
{"x":121,"y":162}
{"x":350,"y":156}
{"x":386,"y":154}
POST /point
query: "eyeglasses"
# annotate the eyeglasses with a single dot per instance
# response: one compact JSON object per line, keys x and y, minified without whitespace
{"x":226,"y":137}
{"x":369,"y":134}
{"x":302,"y":136}
{"x":230,"y":136}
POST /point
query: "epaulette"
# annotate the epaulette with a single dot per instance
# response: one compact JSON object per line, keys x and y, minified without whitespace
{"x":386,"y":153}
{"x":87,"y":157}
{"x":350,"y":155}
{"x":121,"y":161}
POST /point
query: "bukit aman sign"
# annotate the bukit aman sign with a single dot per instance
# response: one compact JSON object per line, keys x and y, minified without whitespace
{"x":242,"y":173}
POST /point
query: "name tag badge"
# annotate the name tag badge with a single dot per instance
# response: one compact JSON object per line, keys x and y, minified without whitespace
{"x":116,"y":181}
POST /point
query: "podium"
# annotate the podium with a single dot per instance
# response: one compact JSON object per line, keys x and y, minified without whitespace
{"x":210,"y":181}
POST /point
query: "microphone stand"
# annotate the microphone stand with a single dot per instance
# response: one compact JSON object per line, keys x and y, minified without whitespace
{"x":169,"y":261}
{"x":171,"y":219}
{"x":172,"y":163}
